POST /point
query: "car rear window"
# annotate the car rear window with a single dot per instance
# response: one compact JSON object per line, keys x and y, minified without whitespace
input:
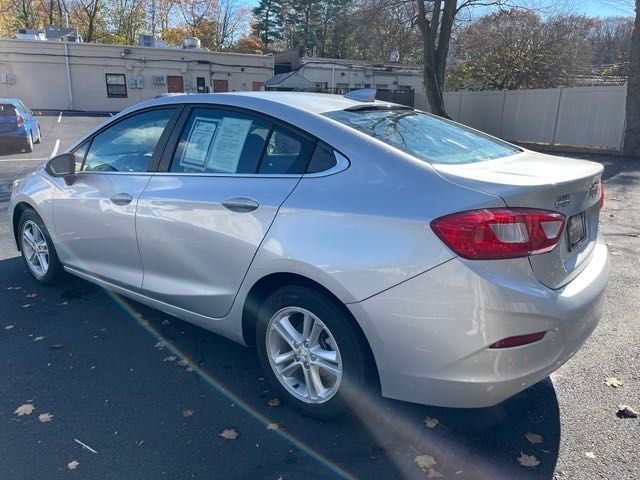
{"x":425,"y":136}
{"x":7,"y":110}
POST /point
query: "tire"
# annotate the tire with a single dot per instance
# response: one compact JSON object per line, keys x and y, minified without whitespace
{"x":29,"y":143}
{"x":39,"y":135}
{"x":335,"y":337}
{"x":53,"y":270}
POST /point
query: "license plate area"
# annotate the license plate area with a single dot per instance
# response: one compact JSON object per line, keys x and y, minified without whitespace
{"x":576,"y":230}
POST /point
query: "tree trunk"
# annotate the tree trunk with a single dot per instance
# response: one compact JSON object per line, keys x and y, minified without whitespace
{"x":632,"y":131}
{"x":432,"y":86}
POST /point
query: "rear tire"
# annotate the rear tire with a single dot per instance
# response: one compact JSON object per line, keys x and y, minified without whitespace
{"x":29,"y":145}
{"x":311,"y":352}
{"x":37,"y":249}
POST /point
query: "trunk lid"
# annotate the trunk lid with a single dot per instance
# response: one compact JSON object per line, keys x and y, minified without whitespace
{"x":8,"y":118}
{"x":534,"y":180}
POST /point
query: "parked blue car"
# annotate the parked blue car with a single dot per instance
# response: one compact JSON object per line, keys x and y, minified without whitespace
{"x":19,"y":128}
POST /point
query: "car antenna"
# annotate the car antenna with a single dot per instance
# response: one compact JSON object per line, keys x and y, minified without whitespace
{"x":362,"y":95}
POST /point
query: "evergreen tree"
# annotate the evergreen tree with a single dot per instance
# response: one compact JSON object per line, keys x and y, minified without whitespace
{"x":268,"y":22}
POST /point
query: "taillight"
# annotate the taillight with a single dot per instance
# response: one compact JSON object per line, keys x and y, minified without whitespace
{"x":19,"y":119}
{"x":518,"y":341}
{"x":493,"y":233}
{"x":601,"y":194}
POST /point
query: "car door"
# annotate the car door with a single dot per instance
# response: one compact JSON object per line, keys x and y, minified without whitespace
{"x":95,"y":216}
{"x":203,"y":216}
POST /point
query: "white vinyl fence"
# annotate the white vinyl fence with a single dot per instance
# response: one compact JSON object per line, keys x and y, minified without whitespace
{"x":582,"y":116}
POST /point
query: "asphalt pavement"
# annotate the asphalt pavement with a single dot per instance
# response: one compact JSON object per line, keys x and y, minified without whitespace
{"x":130,"y":393}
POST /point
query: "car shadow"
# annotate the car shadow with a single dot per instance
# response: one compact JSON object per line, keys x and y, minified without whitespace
{"x":98,"y":342}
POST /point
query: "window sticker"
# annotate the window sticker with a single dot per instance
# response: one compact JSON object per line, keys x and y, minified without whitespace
{"x":199,"y":142}
{"x":228,"y":145}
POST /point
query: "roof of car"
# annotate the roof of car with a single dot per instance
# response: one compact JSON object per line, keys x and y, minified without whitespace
{"x":12,"y":101}
{"x":311,"y":102}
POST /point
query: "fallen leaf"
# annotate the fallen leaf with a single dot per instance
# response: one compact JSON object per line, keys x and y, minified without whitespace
{"x":425,"y":462}
{"x":170,"y":358}
{"x":45,"y":417}
{"x":431,"y":422}
{"x":613,"y":382}
{"x":533,"y":438}
{"x":25,"y":409}
{"x":159,"y":345}
{"x":274,"y":402}
{"x":625,"y":411}
{"x":189,"y":369}
{"x":56,"y":346}
{"x":38,"y":339}
{"x":26,"y":305}
{"x":529,"y":461}
{"x":182,"y":363}
{"x":273,"y":426}
{"x":589,"y":454}
{"x":229,"y":434}
{"x":434,"y":474}
{"x":8,"y":327}
{"x":73,"y":465}
{"x":31,"y":295}
{"x":187,"y":412}
{"x":166,"y":322}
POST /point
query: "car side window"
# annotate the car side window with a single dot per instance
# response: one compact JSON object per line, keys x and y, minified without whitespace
{"x":220,"y":141}
{"x":287,"y":153}
{"x":128,"y":145}
{"x":323,"y":159}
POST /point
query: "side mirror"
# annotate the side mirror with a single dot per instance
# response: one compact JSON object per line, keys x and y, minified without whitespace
{"x":63,"y":165}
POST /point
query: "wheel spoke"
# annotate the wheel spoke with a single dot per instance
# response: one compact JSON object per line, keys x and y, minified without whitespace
{"x":288,"y":333}
{"x":44,"y":261}
{"x":328,"y":355}
{"x":283,"y":357}
{"x":289,"y":369}
{"x":314,"y":335}
{"x":311,"y":391}
{"x":327,"y":367}
{"x":314,"y":373}
{"x":28,"y":236}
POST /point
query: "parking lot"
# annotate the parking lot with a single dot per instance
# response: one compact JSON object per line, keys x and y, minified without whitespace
{"x":132,"y":393}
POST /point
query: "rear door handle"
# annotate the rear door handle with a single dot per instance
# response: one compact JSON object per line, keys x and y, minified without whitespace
{"x":240,"y":204}
{"x":122,"y":199}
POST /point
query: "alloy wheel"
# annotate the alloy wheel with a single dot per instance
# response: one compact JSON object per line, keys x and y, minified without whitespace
{"x":35,"y":248}
{"x":304,"y":355}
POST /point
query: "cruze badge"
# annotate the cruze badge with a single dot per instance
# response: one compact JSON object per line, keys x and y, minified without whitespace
{"x":563,"y":201}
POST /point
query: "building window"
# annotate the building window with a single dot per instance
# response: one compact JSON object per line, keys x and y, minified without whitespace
{"x":116,"y":85}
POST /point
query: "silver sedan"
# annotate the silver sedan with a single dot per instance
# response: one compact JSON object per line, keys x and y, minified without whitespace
{"x":361,"y":246}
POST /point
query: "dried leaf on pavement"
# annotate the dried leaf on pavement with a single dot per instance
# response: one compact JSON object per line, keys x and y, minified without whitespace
{"x":159,"y":345}
{"x":187,"y":412}
{"x":229,"y":434}
{"x":431,"y":422}
{"x":614,"y":382}
{"x":533,"y":438}
{"x":625,"y":411}
{"x":182,"y":363}
{"x":31,"y":295}
{"x":425,"y":462}
{"x":8,"y":327}
{"x":25,"y":409}
{"x":273,"y":426}
{"x":38,"y":339}
{"x":529,"y":461}
{"x":589,"y":454}
{"x":170,"y":358}
{"x":274,"y":402}
{"x":45,"y":417}
{"x":73,"y":465}
{"x":434,"y":474}
{"x":56,"y":346}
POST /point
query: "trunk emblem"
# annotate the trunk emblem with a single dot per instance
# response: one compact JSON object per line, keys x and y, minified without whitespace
{"x":563,"y":201}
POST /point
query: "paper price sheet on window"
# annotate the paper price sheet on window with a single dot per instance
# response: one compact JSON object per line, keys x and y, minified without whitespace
{"x":215,"y":145}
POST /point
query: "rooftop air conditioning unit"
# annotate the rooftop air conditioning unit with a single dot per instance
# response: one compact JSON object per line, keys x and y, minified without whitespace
{"x":159,"y":79}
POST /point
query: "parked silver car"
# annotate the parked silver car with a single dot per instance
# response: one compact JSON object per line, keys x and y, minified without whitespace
{"x":355,"y":243}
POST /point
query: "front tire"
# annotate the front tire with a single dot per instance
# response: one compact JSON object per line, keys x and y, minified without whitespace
{"x":37,"y":249}
{"x":29,"y":143}
{"x":311,"y":351}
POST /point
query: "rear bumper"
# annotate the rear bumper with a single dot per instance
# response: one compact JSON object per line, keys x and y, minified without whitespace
{"x":430,"y":335}
{"x":13,"y":136}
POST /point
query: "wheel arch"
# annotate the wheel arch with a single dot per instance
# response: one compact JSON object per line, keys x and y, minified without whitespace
{"x":18,"y":210}
{"x":269,"y":284}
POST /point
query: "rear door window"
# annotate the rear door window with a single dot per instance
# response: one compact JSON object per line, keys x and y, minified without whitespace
{"x":287,"y":153}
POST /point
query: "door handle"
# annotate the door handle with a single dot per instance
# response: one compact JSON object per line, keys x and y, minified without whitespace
{"x":121,"y":199}
{"x":240,"y":204}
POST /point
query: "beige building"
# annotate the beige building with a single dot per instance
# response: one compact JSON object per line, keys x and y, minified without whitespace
{"x":98,"y":77}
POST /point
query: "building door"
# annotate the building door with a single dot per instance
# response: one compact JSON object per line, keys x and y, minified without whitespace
{"x":175,"y":84}
{"x":258,"y":86}
{"x":221,"y":85}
